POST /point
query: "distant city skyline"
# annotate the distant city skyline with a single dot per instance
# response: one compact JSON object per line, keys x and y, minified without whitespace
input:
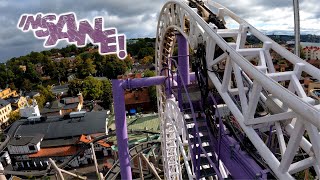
{"x":139,"y":19}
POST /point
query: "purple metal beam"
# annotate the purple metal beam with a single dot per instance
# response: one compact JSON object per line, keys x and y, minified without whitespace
{"x":192,"y":77}
{"x":183,"y":58}
{"x":142,"y":82}
{"x":118,"y":87}
{"x":121,"y":129}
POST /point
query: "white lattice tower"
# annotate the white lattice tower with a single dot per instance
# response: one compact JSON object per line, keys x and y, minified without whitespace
{"x":296,"y":112}
{"x":173,"y":133}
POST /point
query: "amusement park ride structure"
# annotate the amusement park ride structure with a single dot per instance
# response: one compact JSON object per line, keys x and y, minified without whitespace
{"x":267,"y":130}
{"x":272,"y":130}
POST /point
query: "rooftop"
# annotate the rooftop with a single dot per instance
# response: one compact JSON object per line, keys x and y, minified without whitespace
{"x":55,"y":152}
{"x":91,"y":123}
{"x":24,"y":140}
{"x":3,"y":103}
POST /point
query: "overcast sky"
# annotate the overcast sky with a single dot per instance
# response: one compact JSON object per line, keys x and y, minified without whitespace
{"x":138,"y":18}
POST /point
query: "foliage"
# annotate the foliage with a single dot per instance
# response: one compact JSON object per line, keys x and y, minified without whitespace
{"x":152,"y":90}
{"x":134,"y":48}
{"x":92,"y":89}
{"x":106,"y":96}
{"x":85,"y":67}
{"x":147,"y":51}
{"x":13,"y":116}
{"x":45,"y":95}
{"x":147,"y":60}
{"x":114,"y":67}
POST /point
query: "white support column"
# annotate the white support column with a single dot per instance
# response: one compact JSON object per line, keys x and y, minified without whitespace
{"x":301,"y":165}
{"x":57,"y":169}
{"x":227,"y":75}
{"x":282,"y":143}
{"x":253,"y":101}
{"x":292,"y":147}
{"x":242,"y":94}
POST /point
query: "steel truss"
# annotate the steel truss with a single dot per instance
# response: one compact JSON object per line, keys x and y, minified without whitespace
{"x":294,"y":113}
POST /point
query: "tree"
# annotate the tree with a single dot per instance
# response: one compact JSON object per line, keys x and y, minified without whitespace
{"x":152,"y":90}
{"x":92,"y":88}
{"x":147,"y":60}
{"x":27,"y":85}
{"x":147,"y":51}
{"x":45,"y":95}
{"x":129,"y":62}
{"x":32,"y":74}
{"x":106,"y":94}
{"x":75,"y":86}
{"x":114,"y":67}
{"x":85,"y":67}
{"x":13,"y":116}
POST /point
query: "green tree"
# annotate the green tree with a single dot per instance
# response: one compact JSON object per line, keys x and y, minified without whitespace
{"x":13,"y":116}
{"x":129,"y":62}
{"x":152,"y":90}
{"x":75,"y":86}
{"x":114,"y":67}
{"x":85,"y":67}
{"x":106,"y":94}
{"x":32,"y":74}
{"x":147,"y":60}
{"x":147,"y":51}
{"x":27,"y":85}
{"x":92,"y":88}
{"x":45,"y":95}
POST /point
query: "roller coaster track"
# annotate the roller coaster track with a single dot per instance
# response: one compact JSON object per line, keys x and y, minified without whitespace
{"x":80,"y":151}
{"x":292,"y":112}
{"x":134,"y":152}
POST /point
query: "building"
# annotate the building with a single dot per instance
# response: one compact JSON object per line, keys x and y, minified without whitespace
{"x":37,"y":139}
{"x":30,"y":110}
{"x":32,"y":94}
{"x":5,"y":110}
{"x":6,"y":93}
{"x":60,"y":90}
{"x":63,"y":106}
{"x":136,"y":99}
{"x":312,"y":52}
{"x":17,"y":102}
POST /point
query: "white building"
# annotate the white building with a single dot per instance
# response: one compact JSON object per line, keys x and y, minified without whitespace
{"x":30,"y":111}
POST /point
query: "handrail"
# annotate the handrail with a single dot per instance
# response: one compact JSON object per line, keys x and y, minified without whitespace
{"x":195,"y":123}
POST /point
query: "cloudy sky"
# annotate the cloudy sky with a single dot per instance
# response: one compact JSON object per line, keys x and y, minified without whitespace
{"x":138,"y":18}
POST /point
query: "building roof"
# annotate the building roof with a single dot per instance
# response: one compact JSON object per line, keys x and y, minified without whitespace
{"x":55,"y":152}
{"x":71,"y":100}
{"x":24,"y":140}
{"x":3,"y":103}
{"x":137,"y":96}
{"x":56,"y":105}
{"x":59,"y":142}
{"x":71,"y":106}
{"x":91,"y":123}
{"x":32,"y":94}
{"x":85,"y":139}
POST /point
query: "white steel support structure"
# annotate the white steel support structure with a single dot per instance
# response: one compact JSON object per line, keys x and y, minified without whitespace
{"x":173,"y":136}
{"x":297,"y":112}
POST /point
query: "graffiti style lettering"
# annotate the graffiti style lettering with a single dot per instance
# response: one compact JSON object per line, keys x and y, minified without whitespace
{"x":54,"y":28}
